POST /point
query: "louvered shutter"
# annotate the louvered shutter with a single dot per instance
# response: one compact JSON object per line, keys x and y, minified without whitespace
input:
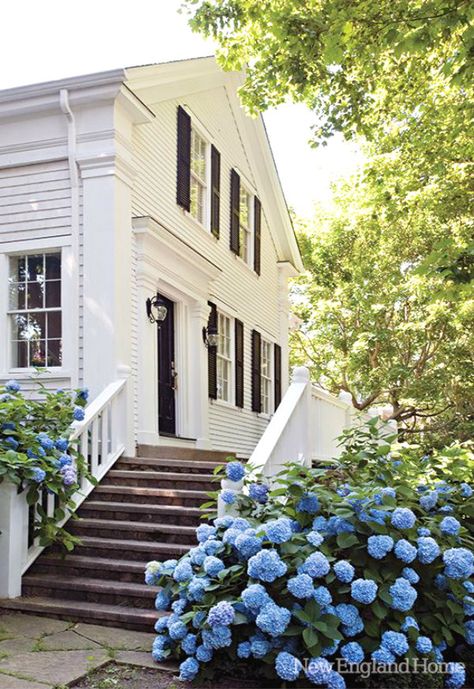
{"x":256,"y":371}
{"x":239,"y":363}
{"x":183,"y":182}
{"x":234,"y":211}
{"x":257,"y":236}
{"x":277,"y":374}
{"x":215,"y":191}
{"x":212,"y":356}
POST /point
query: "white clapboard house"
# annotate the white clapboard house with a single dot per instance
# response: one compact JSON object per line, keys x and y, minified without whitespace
{"x":145,"y":252}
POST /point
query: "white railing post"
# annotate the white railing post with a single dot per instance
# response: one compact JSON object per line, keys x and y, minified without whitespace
{"x":13,"y":539}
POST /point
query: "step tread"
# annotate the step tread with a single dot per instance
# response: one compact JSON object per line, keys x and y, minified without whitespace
{"x":157,"y":461}
{"x":93,"y":562}
{"x":89,"y":584}
{"x":86,"y":608}
{"x":122,"y":543}
{"x":158,"y":492}
{"x":187,"y":453}
{"x":139,"y":507}
{"x":163,"y":475}
{"x":120,"y":525}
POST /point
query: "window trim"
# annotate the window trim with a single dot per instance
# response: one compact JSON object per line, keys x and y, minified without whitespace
{"x":231,"y":361}
{"x":269,"y":379}
{"x":250,"y":230}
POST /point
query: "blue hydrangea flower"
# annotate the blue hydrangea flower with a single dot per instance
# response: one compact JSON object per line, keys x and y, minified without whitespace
{"x":316,"y":565}
{"x":221,"y":614}
{"x":428,"y":550}
{"x":405,"y":551}
{"x":469,"y":632}
{"x":344,"y":490}
{"x":344,"y":571}
{"x":457,"y":676}
{"x":446,"y":508}
{"x":178,"y":606}
{"x":82,"y":394}
{"x":183,"y":571}
{"x":308,"y":503}
{"x":224,"y":522}
{"x":466,"y":490}
{"x":337,"y":525}
{"x":424,"y":644}
{"x":423,"y":531}
{"x":259,"y":645}
{"x":335,"y":681}
{"x":258,"y":492}
{"x":204,"y":653}
{"x":240,"y":524}
{"x":450,"y":526}
{"x":301,"y":586}
{"x":386,"y":491}
{"x":188,"y":669}
{"x":78,"y":414}
{"x":38,"y":475}
{"x":12,"y":386}
{"x":62,"y":444}
{"x":217,"y":637}
{"x":235,"y":471}
{"x":469,"y":586}
{"x":266,"y":566}
{"x":364,"y":591}
{"x":410,"y":575}
{"x":212,"y":546}
{"x":315,"y":538}
{"x":383,"y":656}
{"x":228,"y":496}
{"x":409,"y":622}
{"x":231,"y":535}
{"x":330,"y":650}
{"x":188,"y":644}
{"x":403,"y":518}
{"x":160,"y":644}
{"x":395,"y":642}
{"x":459,"y":563}
{"x":197,"y":555}
{"x":287,"y":666}
{"x":318,"y":670}
{"x":177,"y":630}
{"x":255,"y":597}
{"x":68,"y":474}
{"x":45,"y":441}
{"x":403,"y":595}
{"x":213,"y":565}
{"x":162,"y":600}
{"x":320,"y":524}
{"x":352,"y":652}
{"x":353,"y":629}
{"x":279,"y":530}
{"x":244,"y":650}
{"x":347,"y":613}
{"x":64,"y":460}
{"x":429,"y":500}
{"x":204,"y":532}
{"x":273,"y":619}
{"x":322,"y":595}
{"x":248,"y":544}
{"x":161,"y":624}
{"x":379,"y":546}
{"x":199,"y":619}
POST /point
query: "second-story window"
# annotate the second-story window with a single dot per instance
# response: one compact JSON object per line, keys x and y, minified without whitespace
{"x":199,"y":177}
{"x":245,"y":225}
{"x":224,"y":359}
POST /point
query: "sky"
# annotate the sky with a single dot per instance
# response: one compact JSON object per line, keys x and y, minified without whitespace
{"x":53,"y":39}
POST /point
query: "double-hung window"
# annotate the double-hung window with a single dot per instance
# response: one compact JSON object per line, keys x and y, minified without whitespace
{"x":266,"y":376}
{"x":245,"y":224}
{"x":224,"y":358}
{"x":199,"y":178}
{"x":35,"y":310}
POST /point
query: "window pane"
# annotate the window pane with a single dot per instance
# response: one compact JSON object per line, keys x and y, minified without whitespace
{"x":198,"y":155}
{"x":19,"y":354}
{"x":19,"y":327}
{"x":34,"y":295}
{"x":17,"y":268}
{"x":36,"y":268}
{"x":54,"y":353}
{"x":53,"y":293}
{"x":17,"y":295}
{"x":54,"y":325}
{"x":37,"y":353}
{"x":197,"y":200}
{"x":53,"y":266}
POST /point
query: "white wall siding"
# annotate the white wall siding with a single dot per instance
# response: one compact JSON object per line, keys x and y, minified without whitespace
{"x":239,"y":291}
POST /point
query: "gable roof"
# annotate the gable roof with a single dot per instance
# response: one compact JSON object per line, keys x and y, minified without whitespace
{"x":155,"y":83}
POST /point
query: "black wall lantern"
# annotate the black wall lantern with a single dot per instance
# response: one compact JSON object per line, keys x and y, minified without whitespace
{"x":210,"y":336}
{"x":156,"y":310}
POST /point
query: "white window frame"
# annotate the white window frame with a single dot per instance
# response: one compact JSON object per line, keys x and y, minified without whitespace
{"x":266,"y":380}
{"x":196,"y":130}
{"x":248,"y":230}
{"x":228,"y":360}
{"x":59,"y":245}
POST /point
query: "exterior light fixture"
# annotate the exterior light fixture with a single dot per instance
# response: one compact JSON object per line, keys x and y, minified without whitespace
{"x":210,"y":336}
{"x":156,"y":310}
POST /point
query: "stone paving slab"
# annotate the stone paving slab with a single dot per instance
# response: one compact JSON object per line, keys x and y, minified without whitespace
{"x":66,"y":641}
{"x":55,"y":667}
{"x":113,"y":637}
{"x":8,"y":682}
{"x":135,"y":658}
{"x":31,"y":626}
{"x":15,"y":646}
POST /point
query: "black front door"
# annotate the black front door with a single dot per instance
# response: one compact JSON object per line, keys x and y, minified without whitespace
{"x":166,"y":372}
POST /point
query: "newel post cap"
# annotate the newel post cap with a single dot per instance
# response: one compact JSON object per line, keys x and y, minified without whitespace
{"x":300,"y":374}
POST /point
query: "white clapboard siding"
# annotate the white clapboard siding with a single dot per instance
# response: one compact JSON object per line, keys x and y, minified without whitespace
{"x":253,"y":299}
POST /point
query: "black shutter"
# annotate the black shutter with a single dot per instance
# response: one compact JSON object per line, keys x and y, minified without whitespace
{"x":215,"y":191}
{"x":183,"y":182}
{"x":277,"y":374}
{"x":239,"y":363}
{"x":256,"y":371}
{"x":212,"y":356}
{"x":257,"y":236}
{"x":234,"y":212}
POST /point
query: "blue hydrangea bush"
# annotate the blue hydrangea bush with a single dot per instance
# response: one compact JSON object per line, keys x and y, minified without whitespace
{"x":349,"y":561}
{"x":37,"y":456}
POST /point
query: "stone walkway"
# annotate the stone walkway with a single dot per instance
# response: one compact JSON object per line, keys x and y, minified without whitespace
{"x":40,"y":653}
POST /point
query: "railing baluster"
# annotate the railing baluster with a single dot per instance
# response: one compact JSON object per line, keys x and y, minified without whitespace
{"x":104,"y":442}
{"x":95,"y":447}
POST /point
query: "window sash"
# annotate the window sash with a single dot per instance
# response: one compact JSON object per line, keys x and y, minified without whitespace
{"x":266,"y":374}
{"x":245,"y":223}
{"x":224,"y":358}
{"x":199,"y":177}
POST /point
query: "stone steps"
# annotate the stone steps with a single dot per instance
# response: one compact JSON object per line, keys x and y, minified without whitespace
{"x":146,"y":508}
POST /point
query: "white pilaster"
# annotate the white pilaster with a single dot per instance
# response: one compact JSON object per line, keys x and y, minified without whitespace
{"x":199,"y":407}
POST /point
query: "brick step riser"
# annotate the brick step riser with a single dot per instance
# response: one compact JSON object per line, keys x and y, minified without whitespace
{"x":134,"y":555}
{"x":151,"y":464}
{"x":134,"y":535}
{"x":186,"y":454}
{"x":144,"y":518}
{"x":143,"y":602}
{"x":67,"y":570}
{"x":177,"y":501}
{"x":167,"y":484}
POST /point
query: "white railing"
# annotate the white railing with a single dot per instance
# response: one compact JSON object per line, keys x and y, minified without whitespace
{"x":100,"y":439}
